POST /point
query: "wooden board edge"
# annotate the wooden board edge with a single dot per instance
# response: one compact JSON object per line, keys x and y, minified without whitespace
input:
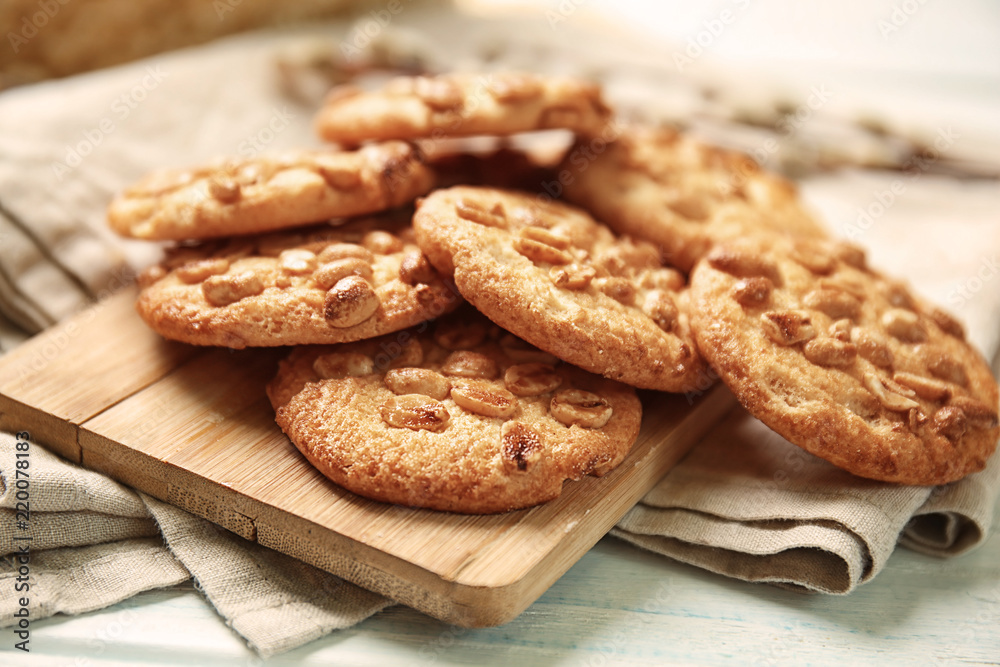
{"x":453,"y":601}
{"x":57,"y":435}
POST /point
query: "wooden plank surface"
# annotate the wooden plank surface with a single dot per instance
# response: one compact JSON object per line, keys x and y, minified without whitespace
{"x":193,"y":427}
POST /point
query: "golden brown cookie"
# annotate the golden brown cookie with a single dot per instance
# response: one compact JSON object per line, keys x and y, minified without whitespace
{"x":459,"y":416}
{"x":461,"y":105}
{"x":685,"y":196}
{"x":552,"y":275}
{"x":244,"y":196}
{"x":320,"y":285}
{"x":843,"y":361}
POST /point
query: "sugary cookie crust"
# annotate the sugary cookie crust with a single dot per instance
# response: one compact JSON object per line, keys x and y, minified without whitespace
{"x":244,"y":196}
{"x":458,"y":105}
{"x":664,"y":186}
{"x":844,"y":362}
{"x":320,"y":285}
{"x":552,"y":275}
{"x":458,"y":416}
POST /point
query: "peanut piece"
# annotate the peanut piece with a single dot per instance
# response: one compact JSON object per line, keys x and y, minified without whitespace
{"x":541,"y":253}
{"x":926,"y":388}
{"x":945,"y":367}
{"x":575,"y":407}
{"x":830,"y":352}
{"x":752,"y":292}
{"x":336,"y":251}
{"x":351,"y":301}
{"x":473,"y":211}
{"x":470,"y":365}
{"x":890,"y":400}
{"x":904,"y":325}
{"x":661,"y":309}
{"x":743,"y":264}
{"x":531,"y":379}
{"x":872,"y":347}
{"x":337,"y":365}
{"x":484,"y":398}
{"x":418,"y":381}
{"x":197,"y":271}
{"x":947,"y":323}
{"x":224,"y":189}
{"x":522,"y":446}
{"x":787,"y":327}
{"x":621,"y":290}
{"x":297,"y":261}
{"x":415,"y":412}
{"x":977,"y":412}
{"x":228,"y":288}
{"x":835,"y":303}
{"x":950,"y":422}
{"x":545,"y":236}
{"x":415,"y":269}
{"x":572,"y":276}
{"x":381,"y":242}
{"x":333,"y":272}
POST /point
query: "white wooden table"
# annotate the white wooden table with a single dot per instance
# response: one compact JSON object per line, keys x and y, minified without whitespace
{"x":617,"y":606}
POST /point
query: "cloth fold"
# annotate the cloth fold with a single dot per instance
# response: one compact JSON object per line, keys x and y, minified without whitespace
{"x":80,"y":559}
{"x":745,"y":503}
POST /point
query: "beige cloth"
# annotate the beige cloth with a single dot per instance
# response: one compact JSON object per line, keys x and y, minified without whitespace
{"x":93,"y":542}
{"x":745,"y":503}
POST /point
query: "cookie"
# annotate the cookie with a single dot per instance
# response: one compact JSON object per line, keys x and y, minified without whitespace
{"x":320,"y":285}
{"x":552,"y":275}
{"x":244,"y":196}
{"x":685,"y":196}
{"x":460,"y":105}
{"x":459,"y":416}
{"x":844,"y":362}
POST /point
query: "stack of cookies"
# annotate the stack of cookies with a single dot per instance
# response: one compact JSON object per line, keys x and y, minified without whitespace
{"x":470,"y":328}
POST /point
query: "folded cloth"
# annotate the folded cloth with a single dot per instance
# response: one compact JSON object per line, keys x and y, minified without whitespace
{"x":92,"y":542}
{"x":745,"y":503}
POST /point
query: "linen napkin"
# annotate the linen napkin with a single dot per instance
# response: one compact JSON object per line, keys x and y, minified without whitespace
{"x":66,"y":147}
{"x":92,"y":542}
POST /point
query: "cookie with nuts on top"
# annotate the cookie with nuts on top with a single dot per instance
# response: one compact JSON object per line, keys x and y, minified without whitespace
{"x":267,"y":193}
{"x":554,"y":276}
{"x":457,"y":416}
{"x":321,"y":284}
{"x":844,"y":362}
{"x":461,"y":105}
{"x":673,"y":190}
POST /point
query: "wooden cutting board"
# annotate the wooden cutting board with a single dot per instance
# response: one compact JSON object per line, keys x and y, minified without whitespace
{"x":193,"y":427}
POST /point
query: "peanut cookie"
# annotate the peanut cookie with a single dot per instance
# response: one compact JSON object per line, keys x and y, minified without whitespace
{"x":244,"y":196}
{"x":320,"y":285}
{"x":843,"y":361}
{"x":459,"y":105}
{"x":683,"y":195}
{"x":460,"y":417}
{"x":552,"y":275}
